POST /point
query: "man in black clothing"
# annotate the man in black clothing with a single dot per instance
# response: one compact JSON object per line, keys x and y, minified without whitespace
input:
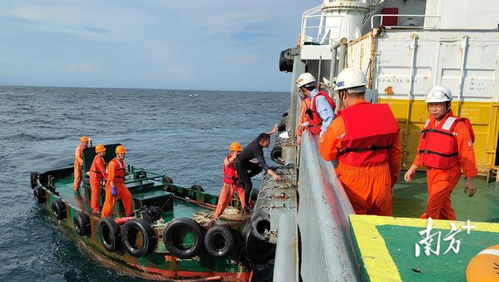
{"x":246,"y":169}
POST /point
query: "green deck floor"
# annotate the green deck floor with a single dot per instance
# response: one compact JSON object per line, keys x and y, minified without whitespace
{"x":409,"y":199}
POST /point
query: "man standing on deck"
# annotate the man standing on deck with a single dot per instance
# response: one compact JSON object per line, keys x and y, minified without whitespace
{"x":445,"y":148}
{"x":320,"y":111}
{"x":79,"y":163}
{"x":246,"y":169}
{"x":97,"y":174}
{"x":365,"y":139}
{"x":115,"y":185}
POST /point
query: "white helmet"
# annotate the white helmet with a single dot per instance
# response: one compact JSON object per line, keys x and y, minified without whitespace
{"x":438,"y":94}
{"x":304,"y":79}
{"x":350,"y":78}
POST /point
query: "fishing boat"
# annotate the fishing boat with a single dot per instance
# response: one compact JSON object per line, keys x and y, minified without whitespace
{"x":165,"y":239}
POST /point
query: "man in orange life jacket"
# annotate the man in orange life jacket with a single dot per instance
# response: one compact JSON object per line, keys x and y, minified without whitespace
{"x":97,"y":174}
{"x":79,"y":163}
{"x":230,"y":182}
{"x":445,"y":148}
{"x":115,"y":186}
{"x":365,"y":139}
{"x":321,"y":111}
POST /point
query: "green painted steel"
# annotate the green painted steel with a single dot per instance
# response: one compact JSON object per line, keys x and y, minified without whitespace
{"x":400,"y":241}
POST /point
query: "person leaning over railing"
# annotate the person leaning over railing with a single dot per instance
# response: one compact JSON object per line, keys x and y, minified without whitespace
{"x":365,"y":140}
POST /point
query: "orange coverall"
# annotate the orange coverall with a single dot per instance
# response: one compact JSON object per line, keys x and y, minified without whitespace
{"x":115,"y":174}
{"x":97,"y":174}
{"x":369,"y":188}
{"x":305,"y":104}
{"x":228,"y":190}
{"x":441,"y":182}
{"x":77,"y":166}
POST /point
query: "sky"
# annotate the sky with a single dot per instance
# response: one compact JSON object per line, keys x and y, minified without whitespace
{"x":205,"y":45}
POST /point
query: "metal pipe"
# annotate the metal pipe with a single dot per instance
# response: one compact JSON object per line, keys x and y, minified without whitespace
{"x":332,"y":70}
{"x":464,"y":50}
{"x":286,"y":257}
{"x":410,"y":96}
{"x":342,"y":54}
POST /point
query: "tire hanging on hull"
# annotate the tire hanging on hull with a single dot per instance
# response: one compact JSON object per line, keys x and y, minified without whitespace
{"x":130,"y":232}
{"x":174,"y":234}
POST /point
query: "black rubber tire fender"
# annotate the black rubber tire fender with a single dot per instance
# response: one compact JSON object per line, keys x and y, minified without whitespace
{"x":39,"y":194}
{"x":33,"y":179}
{"x":197,"y":187}
{"x":109,"y":234}
{"x":219,"y":241}
{"x":82,"y":224}
{"x":256,"y":251}
{"x":174,"y":228}
{"x":260,"y":222}
{"x":130,"y":229}
{"x":59,"y":209}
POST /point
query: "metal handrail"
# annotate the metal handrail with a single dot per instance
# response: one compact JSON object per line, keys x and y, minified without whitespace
{"x":381,"y":16}
{"x":311,"y":14}
{"x":323,"y":221}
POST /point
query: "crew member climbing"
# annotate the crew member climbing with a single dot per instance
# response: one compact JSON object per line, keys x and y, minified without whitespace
{"x":246,"y":169}
{"x":115,"y":184}
{"x":445,"y":149}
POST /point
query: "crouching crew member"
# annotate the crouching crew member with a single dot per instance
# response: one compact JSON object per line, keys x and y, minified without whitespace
{"x":365,"y":140}
{"x":79,"y":163}
{"x":97,"y":174}
{"x":115,"y":186}
{"x":319,"y":109}
{"x":246,"y":169}
{"x":445,"y":148}
{"x":230,"y":182}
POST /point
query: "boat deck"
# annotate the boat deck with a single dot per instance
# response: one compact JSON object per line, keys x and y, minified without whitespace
{"x":181,"y":208}
{"x":409,"y":199}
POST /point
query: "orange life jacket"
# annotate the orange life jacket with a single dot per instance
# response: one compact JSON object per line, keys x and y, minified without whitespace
{"x":94,"y":169}
{"x":230,"y":173}
{"x":119,"y":170}
{"x":370,"y":130}
{"x":438,"y":145}
{"x":315,"y":122}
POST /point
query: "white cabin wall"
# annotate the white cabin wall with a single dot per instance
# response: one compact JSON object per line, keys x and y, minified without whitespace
{"x":463,"y":14}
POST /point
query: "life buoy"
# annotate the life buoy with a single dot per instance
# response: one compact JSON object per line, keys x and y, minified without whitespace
{"x":59,"y":209}
{"x":174,"y":237}
{"x":129,"y":236}
{"x":256,"y":251}
{"x":219,"y":241}
{"x":109,"y":234}
{"x":82,"y":224}
{"x":34,"y":178}
{"x":39,"y":194}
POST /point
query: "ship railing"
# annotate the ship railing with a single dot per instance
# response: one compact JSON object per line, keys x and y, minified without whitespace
{"x":315,"y":31}
{"x":328,"y":252}
{"x":377,"y":20}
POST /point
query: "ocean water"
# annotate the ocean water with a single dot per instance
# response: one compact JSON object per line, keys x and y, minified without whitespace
{"x":184,"y":134}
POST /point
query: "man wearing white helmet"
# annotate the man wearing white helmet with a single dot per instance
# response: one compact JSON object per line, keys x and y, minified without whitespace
{"x":445,"y":148}
{"x":365,"y":140}
{"x":321,"y":111}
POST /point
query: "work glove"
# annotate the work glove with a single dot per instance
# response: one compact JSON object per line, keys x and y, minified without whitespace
{"x":114,"y":191}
